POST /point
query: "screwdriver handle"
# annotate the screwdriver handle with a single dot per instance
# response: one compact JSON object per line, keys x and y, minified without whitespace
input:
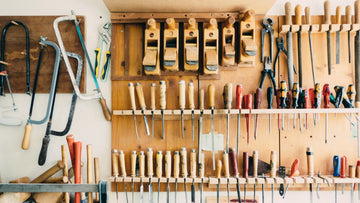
{"x":162,"y":97}
{"x":336,"y":164}
{"x":298,"y":16}
{"x":218,"y":169}
{"x":246,"y":164}
{"x":191,"y":95}
{"x":226,"y":164}
{"x":283,"y":91}
{"x":306,"y":99}
{"x":201,"y":106}
{"x":202,"y":166}
{"x":326,"y":94}
{"x":273,"y":164}
{"x":159,"y":158}
{"x":255,"y":163}
{"x":288,"y":20}
{"x":348,"y":14}
{"x":152,"y":95}
{"x":167,"y":164}
{"x":258,"y":97}
{"x":338,"y":15}
{"x":327,"y":19}
{"x":295,"y":95}
{"x":357,"y":11}
{"x":211,"y":90}
{"x":288,"y":99}
{"x":140,"y":95}
{"x":132,"y":95}
{"x":193,"y":163}
{"x":352,"y":169}
{"x":351,"y":92}
{"x":114,"y":160}
{"x":122,"y":163}
{"x":307,"y":15}
{"x":133,"y":163}
{"x":239,"y":96}
{"x":233,"y":159}
{"x":182,"y":94}
{"x":183,"y":162}
{"x":176,"y":164}
{"x":149,"y":163}
{"x":311,"y":96}
{"x":294,"y":167}
{"x":310,"y":161}
{"x":248,"y":101}
{"x":357,"y":173}
{"x":317,"y":95}
{"x":227,"y":94}
{"x":270,"y":96}
{"x":343,"y":167}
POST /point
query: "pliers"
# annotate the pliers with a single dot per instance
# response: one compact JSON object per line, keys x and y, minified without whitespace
{"x":267,"y":23}
{"x":280,"y":47}
{"x":104,"y":40}
{"x":267,"y":70}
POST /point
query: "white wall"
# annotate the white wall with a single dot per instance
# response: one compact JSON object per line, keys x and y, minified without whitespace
{"x":89,"y":125}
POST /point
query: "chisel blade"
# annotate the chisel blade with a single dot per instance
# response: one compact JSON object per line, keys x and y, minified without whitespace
{"x":328,"y":40}
{"x":167,"y":191}
{"x":146,"y":126}
{"x":337,"y":47}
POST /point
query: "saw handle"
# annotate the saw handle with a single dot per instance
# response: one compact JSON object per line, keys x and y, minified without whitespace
{"x":246,"y":164}
{"x":298,"y":16}
{"x":211,"y":92}
{"x":288,"y":16}
{"x":133,"y":163}
{"x":307,"y":15}
{"x":44,"y":148}
{"x":348,"y":14}
{"x":105,"y":109}
{"x":191,"y":95}
{"x":26,"y":139}
{"x":338,"y":15}
{"x":327,"y":19}
{"x":152,"y":95}
{"x":167,"y":164}
{"x":233,"y":159}
{"x":162,"y":98}
{"x":255,"y":163}
{"x":140,"y":95}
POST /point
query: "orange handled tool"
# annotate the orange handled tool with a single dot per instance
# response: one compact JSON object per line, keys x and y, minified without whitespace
{"x":77,"y":168}
{"x":70,"y":140}
{"x":248,"y":105}
{"x":294,"y":167}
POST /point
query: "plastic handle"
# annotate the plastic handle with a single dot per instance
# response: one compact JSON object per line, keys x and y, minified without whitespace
{"x":307,"y":15}
{"x":317,"y":95}
{"x":273,"y":164}
{"x":193,"y":163}
{"x":258,"y":97}
{"x":162,"y":95}
{"x":159,"y":157}
{"x":288,"y":20}
{"x":168,"y":164}
{"x":270,"y":96}
{"x":338,"y":15}
{"x":133,"y":163}
{"x":327,"y":12}
{"x":218,"y":169}
{"x":26,"y":139}
{"x":295,"y":95}
{"x":336,"y":164}
{"x":226,"y":164}
{"x":255,"y":163}
{"x":348,"y":14}
{"x":294,"y":167}
{"x":310,"y":161}
{"x":70,"y":140}
{"x":106,"y":64}
{"x":97,"y":61}
{"x":140,"y":95}
{"x":283,"y":91}
{"x":149,"y":162}
{"x":105,"y":109}
{"x":152,"y":95}
{"x":246,"y":164}
{"x":122,"y":163}
{"x":202,"y":166}
{"x":132,"y":95}
{"x":201,"y":106}
{"x":352,"y":171}
{"x":191,"y":95}
{"x":44,"y":148}
{"x":343,"y":167}
{"x":182,"y":94}
{"x":141,"y":164}
{"x":227,"y":94}
{"x":233,"y":160}
{"x":306,"y":99}
{"x":357,"y":11}
{"x":211,"y":92}
{"x":176,"y":164}
{"x":183,"y":162}
{"x":239,"y":96}
{"x":351,"y":92}
{"x":248,"y":101}
{"x":114,"y":162}
{"x":298,"y":16}
{"x":326,"y":94}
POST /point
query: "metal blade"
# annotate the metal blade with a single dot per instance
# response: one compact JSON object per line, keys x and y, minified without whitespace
{"x":349,"y":47}
{"x":238,"y":189}
{"x":175,"y":189}
{"x":312,"y":57}
{"x":213,"y":138}
{"x":167,"y":191}
{"x":329,"y":51}
{"x":141,"y":191}
{"x":152,"y":125}
{"x":290,"y":62}
{"x":227,"y":132}
{"x":150,"y":192}
{"x":337,"y":47}
{"x":163,"y":125}
{"x":158,"y":195}
{"x":238,"y":134}
{"x":117,"y":190}
{"x":127,"y":200}
{"x":185,"y":190}
{"x":132,"y":190}
{"x":182,"y":124}
{"x":136,"y":132}
{"x":217,"y":191}
{"x":146,"y":126}
{"x":192,"y":125}
{"x":228,"y":190}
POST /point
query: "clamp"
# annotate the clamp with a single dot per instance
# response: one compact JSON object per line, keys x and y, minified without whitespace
{"x":267,"y":29}
{"x":267,"y":70}
{"x":280,"y":47}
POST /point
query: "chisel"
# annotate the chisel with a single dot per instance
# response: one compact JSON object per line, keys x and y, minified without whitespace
{"x":298,"y":17}
{"x":183,"y":167}
{"x":140,"y":96}
{"x":226,"y":172}
{"x":141,"y":174}
{"x":336,"y":164}
{"x":191,"y":106}
{"x":270,"y":97}
{"x":248,"y":105}
{"x":176,"y":170}
{"x":233,"y":159}
{"x":162,"y":104}
{"x":193,"y":173}
{"x":255,"y":168}
{"x":133,"y":173}
{"x":308,"y":22}
{"x":227,"y":94}
{"x":115,"y":170}
{"x":218,"y":176}
{"x":352,"y":175}
{"x":348,"y":21}
{"x":211,"y":93}
{"x":258,"y":97}
{"x":338,"y":21}
{"x":167,"y":174}
{"x":290,"y":63}
{"x":343,"y":167}
{"x":123,"y":171}
{"x":239,"y":98}
{"x":133,"y":105}
{"x":310,"y":168}
{"x":201,"y":169}
{"x":152,"y":106}
{"x":201,"y":107}
{"x":182,"y":104}
{"x":150,"y":171}
{"x":272,"y":172}
{"x":326,"y":94}
{"x":246,"y":170}
{"x":317,"y":99}
{"x":327,"y":20}
{"x":159,"y":157}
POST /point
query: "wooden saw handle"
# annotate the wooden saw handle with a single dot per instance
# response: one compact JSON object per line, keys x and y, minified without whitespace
{"x":105,"y":109}
{"x":298,"y":16}
{"x":26,"y":139}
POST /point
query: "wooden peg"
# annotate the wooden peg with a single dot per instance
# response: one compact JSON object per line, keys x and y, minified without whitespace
{"x":228,"y":42}
{"x":248,"y":47}
{"x":51,"y":171}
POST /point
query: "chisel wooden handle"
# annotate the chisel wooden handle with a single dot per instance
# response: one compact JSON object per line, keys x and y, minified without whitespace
{"x":239,"y":96}
{"x":176,"y":164}
{"x":149,"y":162}
{"x":141,"y":164}
{"x":338,"y":15}
{"x":202,"y":166}
{"x":152,"y":95}
{"x":357,"y":11}
{"x":298,"y":16}
{"x":105,"y":109}
{"x":193,"y":163}
{"x":201,"y":105}
{"x":191,"y":95}
{"x":183,"y":162}
{"x":140,"y":95}
{"x":159,"y":158}
{"x":273,"y":164}
{"x":51,"y":171}
{"x":90,"y":169}
{"x":218,"y":169}
{"x":310,"y":161}
{"x":97,"y":175}
{"x":352,"y":171}
{"x":348,"y":14}
{"x":211,"y":92}
{"x":343,"y":167}
{"x":288,"y":20}
{"x":227,"y":95}
{"x":162,"y":98}
{"x":132,"y":95}
{"x":246,"y":164}
{"x":133,"y":163}
{"x":255,"y":163}
{"x":307,"y":15}
{"x":122,"y":163}
{"x":114,"y":162}
{"x":26,"y":139}
{"x":167,"y":164}
{"x":77,"y":168}
{"x":70,"y":140}
{"x":327,"y":19}
{"x":233,"y":159}
{"x":226,"y":164}
{"x":182,"y":94}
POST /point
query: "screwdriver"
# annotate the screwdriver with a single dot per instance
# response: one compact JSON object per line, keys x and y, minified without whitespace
{"x":167,"y":174}
{"x":258,"y":97}
{"x":278,"y":106}
{"x":141,"y":173}
{"x":317,"y":99}
{"x":183,"y":167}
{"x":176,"y":170}
{"x":246,"y":170}
{"x":218,"y":176}
{"x":140,"y":95}
{"x":115,"y":170}
{"x":227,"y":94}
{"x":201,"y":169}
{"x":211,"y":90}
{"x":233,"y":159}
{"x":191,"y":106}
{"x":310,"y":168}
{"x":182,"y":104}
{"x":295,"y":99}
{"x":312,"y":102}
{"x":306,"y":104}
{"x":270,"y":96}
{"x":159,"y":157}
{"x":162,"y":104}
{"x":133,"y":157}
{"x":272,"y":172}
{"x":152,"y":106}
{"x":193,"y":173}
{"x":282,"y":100}
{"x":288,"y":104}
{"x":226,"y":172}
{"x":150,"y":172}
{"x":201,"y":107}
{"x":336,"y":164}
{"x":343,"y":167}
{"x":133,"y":105}
{"x":248,"y":105}
{"x":326,"y":94}
{"x":239,"y":98}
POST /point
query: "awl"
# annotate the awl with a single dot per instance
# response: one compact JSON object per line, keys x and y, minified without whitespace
{"x":140,"y":95}
{"x":159,"y":157}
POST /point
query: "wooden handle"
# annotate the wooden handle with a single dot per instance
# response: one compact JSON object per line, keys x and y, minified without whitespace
{"x":255,"y":163}
{"x":233,"y":160}
{"x":192,"y":23}
{"x":141,"y":164}
{"x":352,"y":169}
{"x":288,"y":20}
{"x":273,"y":164}
{"x":149,"y":162}
{"x":70,"y":139}
{"x":298,"y":16}
{"x":327,"y":12}
{"x":21,"y":180}
{"x":159,"y":157}
{"x":167,"y":164}
{"x":212,"y":24}
{"x":307,"y":15}
{"x":218,"y":169}
{"x":357,"y":171}
{"x":114,"y":163}
{"x":51,"y":171}
{"x":105,"y":109}
{"x":26,"y":139}
{"x":246,"y":164}
{"x":152,"y":95}
{"x":162,"y":94}
{"x":201,"y":105}
{"x":133,"y":163}
{"x":191,"y":95}
{"x":132,"y":95}
{"x":122,"y":163}
{"x":170,"y":23}
{"x":151,"y":23}
{"x":310,"y":161}
{"x":97,"y":175}
{"x":239,"y":96}
{"x":176,"y":164}
{"x":227,"y":95}
{"x":182,"y":94}
{"x":348,"y":14}
{"x":90,"y":166}
{"x":230,"y":22}
{"x":183,"y":162}
{"x":202,"y":166}
{"x":226,"y":164}
{"x":211,"y":92}
{"x":193,"y":163}
{"x":248,"y":15}
{"x":65,"y":160}
{"x":140,"y":95}
{"x":357,"y":11}
{"x":338,"y":15}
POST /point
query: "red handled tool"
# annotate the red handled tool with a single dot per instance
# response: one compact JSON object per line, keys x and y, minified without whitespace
{"x":70,"y":140}
{"x":239,"y":98}
{"x":248,"y":105}
{"x":77,"y":168}
{"x":246,"y":170}
{"x":326,"y":94}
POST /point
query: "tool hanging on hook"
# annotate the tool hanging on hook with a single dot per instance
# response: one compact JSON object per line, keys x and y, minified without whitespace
{"x":4,"y":120}
{"x":104,"y":43}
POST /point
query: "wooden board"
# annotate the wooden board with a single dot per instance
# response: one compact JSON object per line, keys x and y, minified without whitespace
{"x":15,"y":49}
